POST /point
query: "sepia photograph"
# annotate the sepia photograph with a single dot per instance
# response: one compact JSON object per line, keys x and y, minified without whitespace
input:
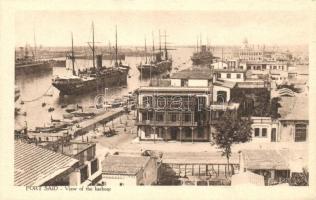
{"x":160,"y":97}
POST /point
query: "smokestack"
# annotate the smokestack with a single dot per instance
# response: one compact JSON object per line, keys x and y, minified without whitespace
{"x":99,"y":61}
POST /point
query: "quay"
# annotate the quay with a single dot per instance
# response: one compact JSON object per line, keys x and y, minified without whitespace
{"x":79,"y":128}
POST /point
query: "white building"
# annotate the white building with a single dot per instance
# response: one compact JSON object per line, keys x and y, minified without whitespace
{"x":129,"y":170}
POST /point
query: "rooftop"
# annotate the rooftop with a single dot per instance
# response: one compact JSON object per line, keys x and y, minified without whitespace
{"x":174,"y":89}
{"x":227,"y":84}
{"x":74,"y":148}
{"x":124,"y":165}
{"x":264,"y":159}
{"x":294,"y":108}
{"x":33,"y":166}
{"x":193,"y":73}
{"x":247,"y":178}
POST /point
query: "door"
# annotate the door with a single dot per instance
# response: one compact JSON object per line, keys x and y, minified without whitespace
{"x":173,"y":133}
{"x":273,"y":135}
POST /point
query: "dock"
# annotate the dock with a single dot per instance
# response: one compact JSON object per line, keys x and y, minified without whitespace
{"x":80,"y":128}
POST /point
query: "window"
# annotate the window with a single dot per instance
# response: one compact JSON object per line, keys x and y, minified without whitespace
{"x":300,"y":132}
{"x":187,"y":117}
{"x":147,"y":132}
{"x":159,"y":117}
{"x":228,"y":75}
{"x":219,"y":75}
{"x":257,"y":132}
{"x":173,"y":117}
{"x":264,"y":132}
{"x":238,"y":75}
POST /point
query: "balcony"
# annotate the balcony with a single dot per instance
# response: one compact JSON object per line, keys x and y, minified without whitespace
{"x":171,"y":123}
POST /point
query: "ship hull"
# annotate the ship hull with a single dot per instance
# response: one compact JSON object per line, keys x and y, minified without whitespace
{"x":199,"y":61}
{"x":155,"y":69}
{"x":97,"y":84}
{"x":104,"y":57}
{"x":33,"y":68}
{"x":59,"y":63}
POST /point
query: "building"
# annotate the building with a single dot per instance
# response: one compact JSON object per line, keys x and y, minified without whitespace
{"x":89,"y":170}
{"x":193,"y":77}
{"x":294,"y":119}
{"x":276,"y":165}
{"x":129,"y":170}
{"x":247,"y":178}
{"x":265,"y":129}
{"x":268,"y":163}
{"x":265,"y":65}
{"x":36,"y":166}
{"x":234,"y":75}
{"x":179,"y":111}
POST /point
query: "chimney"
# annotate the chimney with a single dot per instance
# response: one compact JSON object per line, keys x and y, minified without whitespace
{"x":99,"y":61}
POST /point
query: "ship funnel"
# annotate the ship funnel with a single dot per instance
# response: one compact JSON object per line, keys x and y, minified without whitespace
{"x":99,"y":61}
{"x":203,"y":48}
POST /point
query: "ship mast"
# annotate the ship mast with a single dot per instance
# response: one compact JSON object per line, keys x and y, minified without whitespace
{"x":145,"y":50}
{"x":159,"y":43}
{"x":72,"y":55}
{"x":153,"y":46}
{"x":34,"y":45}
{"x":93,"y":49}
{"x":166,"y":52}
{"x":116,"y":64}
{"x":197,"y":45}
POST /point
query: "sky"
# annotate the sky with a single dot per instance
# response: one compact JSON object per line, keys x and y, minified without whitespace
{"x":222,"y":27}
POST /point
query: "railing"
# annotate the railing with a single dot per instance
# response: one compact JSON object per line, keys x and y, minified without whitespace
{"x":170,"y":123}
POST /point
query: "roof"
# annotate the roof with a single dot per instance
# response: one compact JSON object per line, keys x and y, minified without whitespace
{"x":193,"y":73}
{"x":294,"y":108}
{"x":264,"y":159}
{"x":229,"y":70}
{"x":227,"y":84}
{"x":247,"y":178}
{"x":124,"y":165}
{"x":33,"y":166}
{"x":197,"y":158}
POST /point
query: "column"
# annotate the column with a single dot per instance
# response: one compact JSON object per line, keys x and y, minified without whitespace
{"x":180,"y":128}
{"x":154,"y":134}
{"x":192,"y":134}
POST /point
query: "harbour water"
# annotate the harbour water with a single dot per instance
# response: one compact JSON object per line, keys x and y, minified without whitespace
{"x":34,"y":86}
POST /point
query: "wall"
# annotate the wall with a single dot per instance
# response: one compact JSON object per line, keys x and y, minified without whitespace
{"x":116,"y":180}
{"x":176,"y":82}
{"x":287,"y":130}
{"x":197,"y":83}
{"x":219,"y":65}
{"x":233,"y":76}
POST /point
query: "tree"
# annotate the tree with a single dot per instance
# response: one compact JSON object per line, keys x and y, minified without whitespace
{"x":231,"y":129}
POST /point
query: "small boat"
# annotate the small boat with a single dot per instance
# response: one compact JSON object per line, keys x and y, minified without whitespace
{"x":51,"y":109}
{"x":22,"y":102}
{"x":71,"y":108}
{"x":43,"y":104}
{"x":68,"y":116}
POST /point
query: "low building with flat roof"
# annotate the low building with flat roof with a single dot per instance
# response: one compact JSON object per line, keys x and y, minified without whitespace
{"x":130,"y":170}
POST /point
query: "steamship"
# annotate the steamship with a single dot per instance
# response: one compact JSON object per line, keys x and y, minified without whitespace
{"x":24,"y":63}
{"x":160,"y":62}
{"x":204,"y":56}
{"x":94,"y":78}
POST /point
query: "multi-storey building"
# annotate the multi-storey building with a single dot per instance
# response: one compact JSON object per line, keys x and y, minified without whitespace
{"x":179,"y":111}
